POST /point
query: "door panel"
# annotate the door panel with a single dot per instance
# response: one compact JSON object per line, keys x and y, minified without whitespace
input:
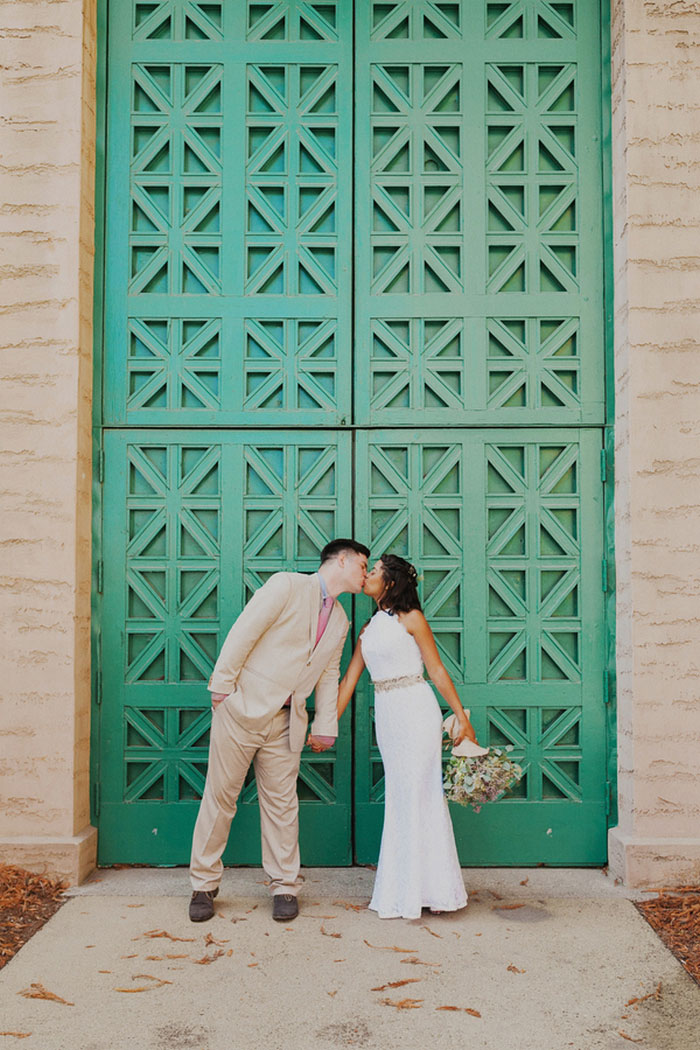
{"x":479,"y":292}
{"x":195,"y":523}
{"x":506,"y":528}
{"x":229,"y":217}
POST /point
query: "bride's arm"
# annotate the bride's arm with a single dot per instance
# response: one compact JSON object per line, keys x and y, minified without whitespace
{"x":417,"y":625}
{"x":350,"y":678}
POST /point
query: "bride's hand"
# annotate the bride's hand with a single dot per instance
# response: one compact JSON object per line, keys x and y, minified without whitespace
{"x":466,"y":729}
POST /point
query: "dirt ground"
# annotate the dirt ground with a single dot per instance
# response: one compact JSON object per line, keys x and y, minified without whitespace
{"x":675,"y":916}
{"x":27,"y":901}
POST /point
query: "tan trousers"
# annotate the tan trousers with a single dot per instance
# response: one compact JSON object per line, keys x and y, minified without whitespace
{"x":231,"y":750}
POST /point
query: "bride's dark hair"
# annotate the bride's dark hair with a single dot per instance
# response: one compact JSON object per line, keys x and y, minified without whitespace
{"x":401,"y":579}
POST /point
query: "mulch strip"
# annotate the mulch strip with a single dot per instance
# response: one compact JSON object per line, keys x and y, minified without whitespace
{"x":27,"y":901}
{"x":675,"y":916}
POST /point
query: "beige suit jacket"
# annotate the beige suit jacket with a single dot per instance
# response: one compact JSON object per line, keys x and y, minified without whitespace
{"x":270,"y":654}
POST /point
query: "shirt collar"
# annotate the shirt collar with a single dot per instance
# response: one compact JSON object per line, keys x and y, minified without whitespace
{"x":324,"y":589}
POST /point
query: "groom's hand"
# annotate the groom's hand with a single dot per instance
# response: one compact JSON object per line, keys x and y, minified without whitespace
{"x":320,"y":743}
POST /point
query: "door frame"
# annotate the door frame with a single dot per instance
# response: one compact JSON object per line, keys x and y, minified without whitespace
{"x":607,"y":458}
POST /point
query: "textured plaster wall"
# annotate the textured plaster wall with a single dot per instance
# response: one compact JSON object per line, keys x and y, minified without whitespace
{"x":47,"y":151}
{"x":656,"y":180}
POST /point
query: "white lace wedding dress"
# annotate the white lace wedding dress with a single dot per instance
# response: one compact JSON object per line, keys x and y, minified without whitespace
{"x":418,"y":865}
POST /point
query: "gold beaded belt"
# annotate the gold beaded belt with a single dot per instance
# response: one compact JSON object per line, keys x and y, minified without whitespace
{"x":397,"y":683}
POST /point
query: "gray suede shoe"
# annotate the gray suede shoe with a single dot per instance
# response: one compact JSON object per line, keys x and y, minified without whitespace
{"x":284,"y":907}
{"x":202,"y":905}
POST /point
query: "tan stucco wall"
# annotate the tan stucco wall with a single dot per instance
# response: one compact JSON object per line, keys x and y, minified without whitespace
{"x":47,"y":151}
{"x":656,"y":179}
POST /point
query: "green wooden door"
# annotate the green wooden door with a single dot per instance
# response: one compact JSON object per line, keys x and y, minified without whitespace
{"x":354,"y":283}
{"x":228,"y":262}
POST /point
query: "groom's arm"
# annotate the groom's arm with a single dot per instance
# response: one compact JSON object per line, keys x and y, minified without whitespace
{"x":325,"y":723}
{"x":256,"y":617}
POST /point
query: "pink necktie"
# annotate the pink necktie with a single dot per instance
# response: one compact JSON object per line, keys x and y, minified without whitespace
{"x":323,"y":617}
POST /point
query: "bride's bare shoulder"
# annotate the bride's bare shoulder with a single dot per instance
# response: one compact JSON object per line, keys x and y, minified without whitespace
{"x":413,"y":620}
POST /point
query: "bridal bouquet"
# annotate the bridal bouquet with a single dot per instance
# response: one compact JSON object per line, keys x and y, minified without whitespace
{"x":473,"y":781}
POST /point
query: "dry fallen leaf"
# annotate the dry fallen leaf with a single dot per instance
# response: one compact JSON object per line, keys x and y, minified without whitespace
{"x":164,"y":933}
{"x":656,"y":994}
{"x":209,"y":940}
{"x":158,"y":982}
{"x":135,"y":905}
{"x":134,"y":956}
{"x":396,"y":984}
{"x":403,"y":1004}
{"x":253,"y":964}
{"x":326,"y":933}
{"x":628,"y":1037}
{"x":513,"y":969}
{"x":18,"y":1035}
{"x":206,"y":959}
{"x":458,"y":1008}
{"x":104,"y":971}
{"x":390,"y":948}
{"x":432,"y":932}
{"x":472,"y":1013}
{"x":507,"y":907}
{"x":350,"y":907}
{"x":37,"y":991}
{"x":332,"y":993}
{"x":339,"y":960}
{"x":524,"y":882}
{"x":415,"y":961}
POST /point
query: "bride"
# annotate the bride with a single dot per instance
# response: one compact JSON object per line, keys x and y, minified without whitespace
{"x":418,"y":865}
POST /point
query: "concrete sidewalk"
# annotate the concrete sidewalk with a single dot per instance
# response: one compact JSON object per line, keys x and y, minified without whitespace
{"x":549,"y":965}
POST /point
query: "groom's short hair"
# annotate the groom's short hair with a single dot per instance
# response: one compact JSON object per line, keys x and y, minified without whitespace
{"x":336,"y":547}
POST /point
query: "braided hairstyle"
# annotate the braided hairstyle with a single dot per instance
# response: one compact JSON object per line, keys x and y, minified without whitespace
{"x":401,"y":580}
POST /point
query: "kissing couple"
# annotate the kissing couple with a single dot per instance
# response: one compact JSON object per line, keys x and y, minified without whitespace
{"x":287,"y":642}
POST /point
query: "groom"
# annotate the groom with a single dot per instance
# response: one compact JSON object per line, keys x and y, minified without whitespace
{"x":287,"y":641}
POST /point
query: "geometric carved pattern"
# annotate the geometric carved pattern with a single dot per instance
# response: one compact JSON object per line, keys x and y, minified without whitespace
{"x":176,"y":179}
{"x":533,"y":363}
{"x":173,"y":563}
{"x":178,"y":20}
{"x":165,"y":754}
{"x":291,"y":183}
{"x":417,"y":363}
{"x":290,"y":364}
{"x":290,"y":504}
{"x":416,"y":508}
{"x":415,"y":20}
{"x":533,"y":562}
{"x":417,"y":178}
{"x":292,"y":20}
{"x":547,"y":743}
{"x":532,"y":178}
{"x":531,"y":20}
{"x":174,"y":364}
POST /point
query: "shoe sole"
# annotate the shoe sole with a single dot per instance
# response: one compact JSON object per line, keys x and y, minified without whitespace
{"x":285,"y":918}
{"x":201,"y":918}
